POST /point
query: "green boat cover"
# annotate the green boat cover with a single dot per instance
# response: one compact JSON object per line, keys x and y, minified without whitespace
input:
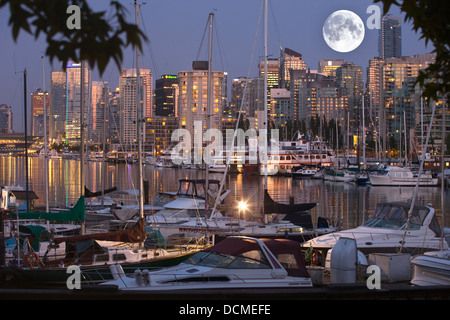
{"x":33,"y":233}
{"x":76,"y":213}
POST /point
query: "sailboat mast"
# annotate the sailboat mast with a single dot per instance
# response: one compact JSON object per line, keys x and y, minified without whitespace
{"x":82,"y":167}
{"x":364,"y":134}
{"x":265,"y":96}
{"x":210,"y":94}
{"x":139,"y":120}
{"x":45,"y":140}
{"x":443,"y":173}
{"x":26,"y":134}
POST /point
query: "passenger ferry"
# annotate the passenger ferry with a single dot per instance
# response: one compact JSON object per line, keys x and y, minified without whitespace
{"x":299,"y":152}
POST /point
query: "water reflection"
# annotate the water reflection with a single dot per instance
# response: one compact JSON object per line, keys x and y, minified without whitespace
{"x":338,"y":201}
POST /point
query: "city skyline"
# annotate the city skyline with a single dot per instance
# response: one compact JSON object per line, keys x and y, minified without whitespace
{"x":175,"y":30}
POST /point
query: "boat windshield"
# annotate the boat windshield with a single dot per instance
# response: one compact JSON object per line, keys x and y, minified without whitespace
{"x":250,"y":260}
{"x":394,"y":216}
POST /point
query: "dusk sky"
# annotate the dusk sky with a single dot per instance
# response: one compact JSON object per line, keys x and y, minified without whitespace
{"x":175,"y":29}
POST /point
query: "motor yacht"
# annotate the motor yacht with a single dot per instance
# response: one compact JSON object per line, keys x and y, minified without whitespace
{"x":401,"y":176}
{"x":389,"y":231}
{"x":431,"y":269}
{"x":234,"y":263}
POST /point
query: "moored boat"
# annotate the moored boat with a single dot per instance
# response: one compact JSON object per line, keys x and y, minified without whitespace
{"x":385,"y":231}
{"x":234,"y":263}
{"x":401,"y":176}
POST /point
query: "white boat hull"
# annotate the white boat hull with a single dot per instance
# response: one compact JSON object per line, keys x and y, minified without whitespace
{"x":389,"y":181}
{"x":431,"y":270}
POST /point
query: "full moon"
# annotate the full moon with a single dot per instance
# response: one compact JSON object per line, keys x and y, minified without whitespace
{"x":343,"y":31}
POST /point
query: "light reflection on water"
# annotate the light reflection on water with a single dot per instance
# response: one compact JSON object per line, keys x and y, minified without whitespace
{"x":347,"y":202}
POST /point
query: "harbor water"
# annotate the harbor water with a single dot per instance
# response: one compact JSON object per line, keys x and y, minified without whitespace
{"x":341,"y":202}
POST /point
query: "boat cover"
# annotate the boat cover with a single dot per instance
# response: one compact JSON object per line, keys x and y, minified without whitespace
{"x":288,"y":252}
{"x":271,"y":206}
{"x":76,"y":213}
{"x":91,"y":194}
{"x":135,"y":234}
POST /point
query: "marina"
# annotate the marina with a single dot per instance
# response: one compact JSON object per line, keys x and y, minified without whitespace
{"x":345,"y":205}
{"x":126,"y":214}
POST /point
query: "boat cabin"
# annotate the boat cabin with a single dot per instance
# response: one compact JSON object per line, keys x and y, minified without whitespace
{"x":395,"y":215}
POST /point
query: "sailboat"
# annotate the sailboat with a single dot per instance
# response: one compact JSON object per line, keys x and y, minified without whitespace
{"x":95,"y":252}
{"x":433,"y":268}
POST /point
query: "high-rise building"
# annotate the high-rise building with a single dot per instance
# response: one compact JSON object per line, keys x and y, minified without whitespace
{"x":349,"y":78}
{"x":301,"y":81}
{"x":6,"y":119}
{"x":193,"y":98}
{"x":240,"y":95}
{"x":325,"y":101}
{"x":37,"y":112}
{"x":289,"y":59}
{"x":273,"y":74}
{"x":395,"y":99}
{"x":401,"y":96}
{"x":128,"y":102}
{"x":390,"y":38}
{"x":114,"y":117}
{"x":329,"y":66}
{"x":57,"y":123}
{"x":73,"y":100}
{"x":280,"y":106}
{"x":166,"y":103}
{"x":158,"y":133}
{"x":99,"y":113}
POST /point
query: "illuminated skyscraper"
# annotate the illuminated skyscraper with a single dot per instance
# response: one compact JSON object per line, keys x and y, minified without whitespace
{"x":128,"y":102}
{"x":6,"y":119}
{"x":329,"y":66}
{"x":57,"y":123}
{"x":166,"y":101}
{"x":193,"y":98}
{"x":290,"y":59}
{"x":73,"y":100}
{"x":37,"y":112}
{"x":390,"y":38}
{"x":349,"y":78}
{"x":99,"y":112}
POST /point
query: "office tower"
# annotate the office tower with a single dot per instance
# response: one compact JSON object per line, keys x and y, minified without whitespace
{"x":193,"y":98}
{"x":158,"y":133}
{"x":240,"y":95}
{"x":301,"y":81}
{"x":325,"y":101}
{"x":98,"y":113}
{"x":390,"y":38}
{"x":374,"y":107}
{"x":128,"y":102}
{"x":289,"y":59}
{"x":114,"y":118}
{"x":401,"y":96}
{"x":273,"y":74}
{"x":37,"y":112}
{"x":280,"y":106}
{"x":349,"y":78}
{"x":57,"y":105}
{"x":394,"y":97}
{"x":6,"y":119}
{"x":166,"y":96}
{"x":73,"y":100}
{"x":329,"y":66}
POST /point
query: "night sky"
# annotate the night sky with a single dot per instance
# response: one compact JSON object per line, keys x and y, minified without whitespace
{"x":175,"y":29}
